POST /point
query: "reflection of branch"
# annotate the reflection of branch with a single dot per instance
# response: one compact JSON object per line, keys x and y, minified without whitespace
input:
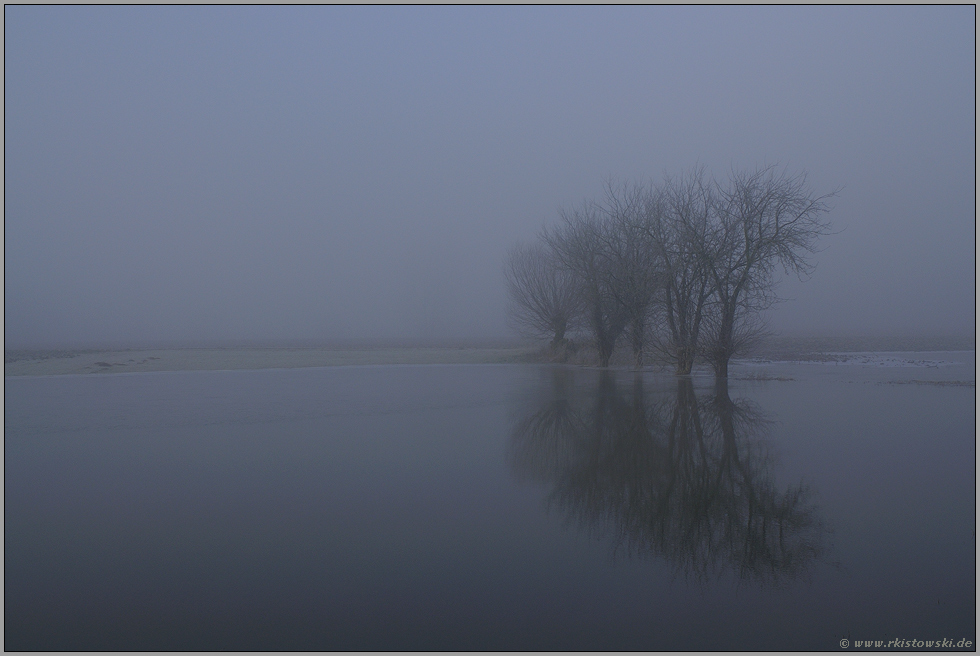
{"x":678,"y":477}
{"x":545,"y":438}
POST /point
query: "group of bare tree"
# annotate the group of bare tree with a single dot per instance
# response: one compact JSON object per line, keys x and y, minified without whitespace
{"x":683,"y":268}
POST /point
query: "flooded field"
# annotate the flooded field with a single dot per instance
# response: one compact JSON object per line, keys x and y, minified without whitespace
{"x":502,"y":507}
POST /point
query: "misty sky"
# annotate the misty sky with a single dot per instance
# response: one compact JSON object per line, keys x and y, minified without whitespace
{"x":331,"y":173}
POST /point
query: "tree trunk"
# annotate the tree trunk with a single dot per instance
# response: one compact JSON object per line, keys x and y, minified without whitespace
{"x":721,"y":368}
{"x":636,"y":337}
{"x":605,"y":353}
{"x":559,"y":336}
{"x":723,"y":349}
{"x":685,"y":361}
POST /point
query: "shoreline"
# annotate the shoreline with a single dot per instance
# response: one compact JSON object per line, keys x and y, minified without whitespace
{"x":102,"y":362}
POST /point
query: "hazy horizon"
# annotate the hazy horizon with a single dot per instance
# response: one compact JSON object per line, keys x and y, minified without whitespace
{"x":339,"y":175}
{"x":847,"y":342}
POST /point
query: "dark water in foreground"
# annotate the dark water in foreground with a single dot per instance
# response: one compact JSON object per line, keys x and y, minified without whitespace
{"x":490,"y":507}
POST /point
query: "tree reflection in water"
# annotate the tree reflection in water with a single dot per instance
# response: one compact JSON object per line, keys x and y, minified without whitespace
{"x":673,"y":475}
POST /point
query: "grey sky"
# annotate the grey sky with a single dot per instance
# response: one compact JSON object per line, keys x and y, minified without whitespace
{"x":324,"y":173}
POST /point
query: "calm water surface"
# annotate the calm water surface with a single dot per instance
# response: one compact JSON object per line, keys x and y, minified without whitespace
{"x":491,"y":507}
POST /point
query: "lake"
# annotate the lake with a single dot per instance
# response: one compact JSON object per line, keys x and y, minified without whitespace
{"x":493,"y":507}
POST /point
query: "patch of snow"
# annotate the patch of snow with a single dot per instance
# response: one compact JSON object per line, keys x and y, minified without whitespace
{"x":861,"y":359}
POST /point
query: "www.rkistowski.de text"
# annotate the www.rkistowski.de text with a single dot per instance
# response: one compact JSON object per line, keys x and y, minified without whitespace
{"x":905,"y":644}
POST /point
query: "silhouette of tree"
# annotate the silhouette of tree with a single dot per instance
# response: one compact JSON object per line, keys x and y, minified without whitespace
{"x":581,"y":245}
{"x":762,"y":219}
{"x":545,"y":299}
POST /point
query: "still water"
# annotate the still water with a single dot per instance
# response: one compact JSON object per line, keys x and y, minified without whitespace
{"x":491,"y":507}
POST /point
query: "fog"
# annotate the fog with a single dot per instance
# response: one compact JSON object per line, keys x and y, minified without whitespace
{"x":281,"y":174}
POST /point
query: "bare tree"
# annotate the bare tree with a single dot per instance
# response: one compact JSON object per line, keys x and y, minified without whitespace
{"x":580,"y":244}
{"x":632,"y":266}
{"x":677,"y":220}
{"x":544,"y":297}
{"x":762,"y":219}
